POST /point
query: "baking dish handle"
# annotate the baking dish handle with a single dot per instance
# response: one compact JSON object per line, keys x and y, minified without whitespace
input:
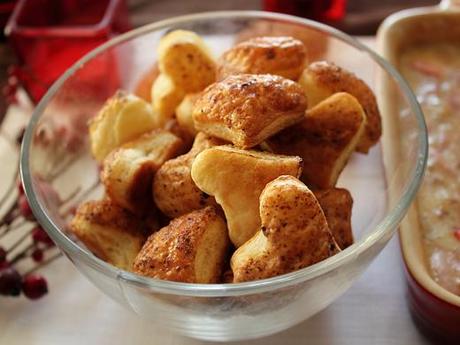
{"x":449,"y":4}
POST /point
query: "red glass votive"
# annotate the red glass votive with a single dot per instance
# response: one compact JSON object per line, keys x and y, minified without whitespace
{"x":321,"y":10}
{"x":48,"y":36}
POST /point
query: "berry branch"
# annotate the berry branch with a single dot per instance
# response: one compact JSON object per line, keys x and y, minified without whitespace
{"x":31,"y":243}
{"x":25,"y":247}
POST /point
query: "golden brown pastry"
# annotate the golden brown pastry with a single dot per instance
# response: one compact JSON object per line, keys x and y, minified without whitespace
{"x":337,"y":204}
{"x":127,"y":172}
{"x":185,"y":58}
{"x":294,"y":233}
{"x":247,"y":109}
{"x":236,"y":178}
{"x":122,"y":118}
{"x":184,"y":113}
{"x":325,"y":139}
{"x":315,"y":40}
{"x":322,"y":79}
{"x":191,"y":249}
{"x":166,"y":96}
{"x":112,"y":233}
{"x":174,"y":191}
{"x":283,"y":55}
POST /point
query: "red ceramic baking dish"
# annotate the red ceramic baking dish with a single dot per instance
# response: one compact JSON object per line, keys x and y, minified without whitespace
{"x":435,"y":309}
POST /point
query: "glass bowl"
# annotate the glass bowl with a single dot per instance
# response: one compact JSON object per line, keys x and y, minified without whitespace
{"x":56,"y":159}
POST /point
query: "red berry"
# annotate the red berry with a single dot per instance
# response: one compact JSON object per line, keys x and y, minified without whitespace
{"x":37,"y":255}
{"x":9,"y":217}
{"x":10,"y":282}
{"x":72,"y":210}
{"x":4,"y":264}
{"x":457,"y":234}
{"x":20,"y":187}
{"x":2,"y":255}
{"x":24,"y":208}
{"x":34,"y":286}
{"x":40,"y":236}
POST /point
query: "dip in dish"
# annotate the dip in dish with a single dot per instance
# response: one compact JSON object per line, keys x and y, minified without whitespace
{"x":433,"y":71}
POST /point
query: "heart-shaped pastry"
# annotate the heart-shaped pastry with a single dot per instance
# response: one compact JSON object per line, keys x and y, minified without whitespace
{"x":294,"y":233}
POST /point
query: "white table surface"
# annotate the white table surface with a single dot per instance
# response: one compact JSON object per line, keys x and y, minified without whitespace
{"x":373,"y":311}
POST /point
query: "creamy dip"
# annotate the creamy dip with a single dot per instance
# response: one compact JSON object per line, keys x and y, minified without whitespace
{"x":433,"y":71}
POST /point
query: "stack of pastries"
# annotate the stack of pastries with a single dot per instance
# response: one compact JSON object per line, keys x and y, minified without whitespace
{"x":227,"y":171}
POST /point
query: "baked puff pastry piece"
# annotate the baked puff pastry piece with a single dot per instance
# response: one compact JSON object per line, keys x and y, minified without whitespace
{"x":322,"y":79}
{"x":174,"y":191}
{"x":294,"y":233}
{"x":127,"y":172}
{"x":184,"y":113}
{"x":191,"y":249}
{"x":337,"y":204}
{"x":246,"y":109}
{"x":284,"y":56}
{"x":166,"y":96}
{"x":186,"y":66}
{"x":123,"y":117}
{"x":325,"y":139}
{"x":110,"y":232}
{"x":236,"y":178}
{"x":186,"y":59}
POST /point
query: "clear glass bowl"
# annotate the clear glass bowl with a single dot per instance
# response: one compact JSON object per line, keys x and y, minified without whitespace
{"x":55,"y":153}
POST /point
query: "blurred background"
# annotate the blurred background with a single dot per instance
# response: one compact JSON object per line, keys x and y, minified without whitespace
{"x":362,"y":17}
{"x":35,"y":32}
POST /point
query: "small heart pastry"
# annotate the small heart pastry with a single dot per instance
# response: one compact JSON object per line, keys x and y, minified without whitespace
{"x":236,"y":178}
{"x":325,"y":139}
{"x":186,"y":59}
{"x":322,"y":79}
{"x":294,"y":233}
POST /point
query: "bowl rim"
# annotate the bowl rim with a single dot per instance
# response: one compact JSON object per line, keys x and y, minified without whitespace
{"x":386,"y":227}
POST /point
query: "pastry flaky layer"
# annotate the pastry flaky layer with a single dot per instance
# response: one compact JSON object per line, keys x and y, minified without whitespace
{"x":174,"y":191}
{"x":128,"y":171}
{"x":246,"y":109}
{"x":191,"y":249}
{"x":111,"y":232}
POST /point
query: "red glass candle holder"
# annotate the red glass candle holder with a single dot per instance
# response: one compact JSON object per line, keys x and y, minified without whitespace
{"x":320,"y":10}
{"x":48,"y":36}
